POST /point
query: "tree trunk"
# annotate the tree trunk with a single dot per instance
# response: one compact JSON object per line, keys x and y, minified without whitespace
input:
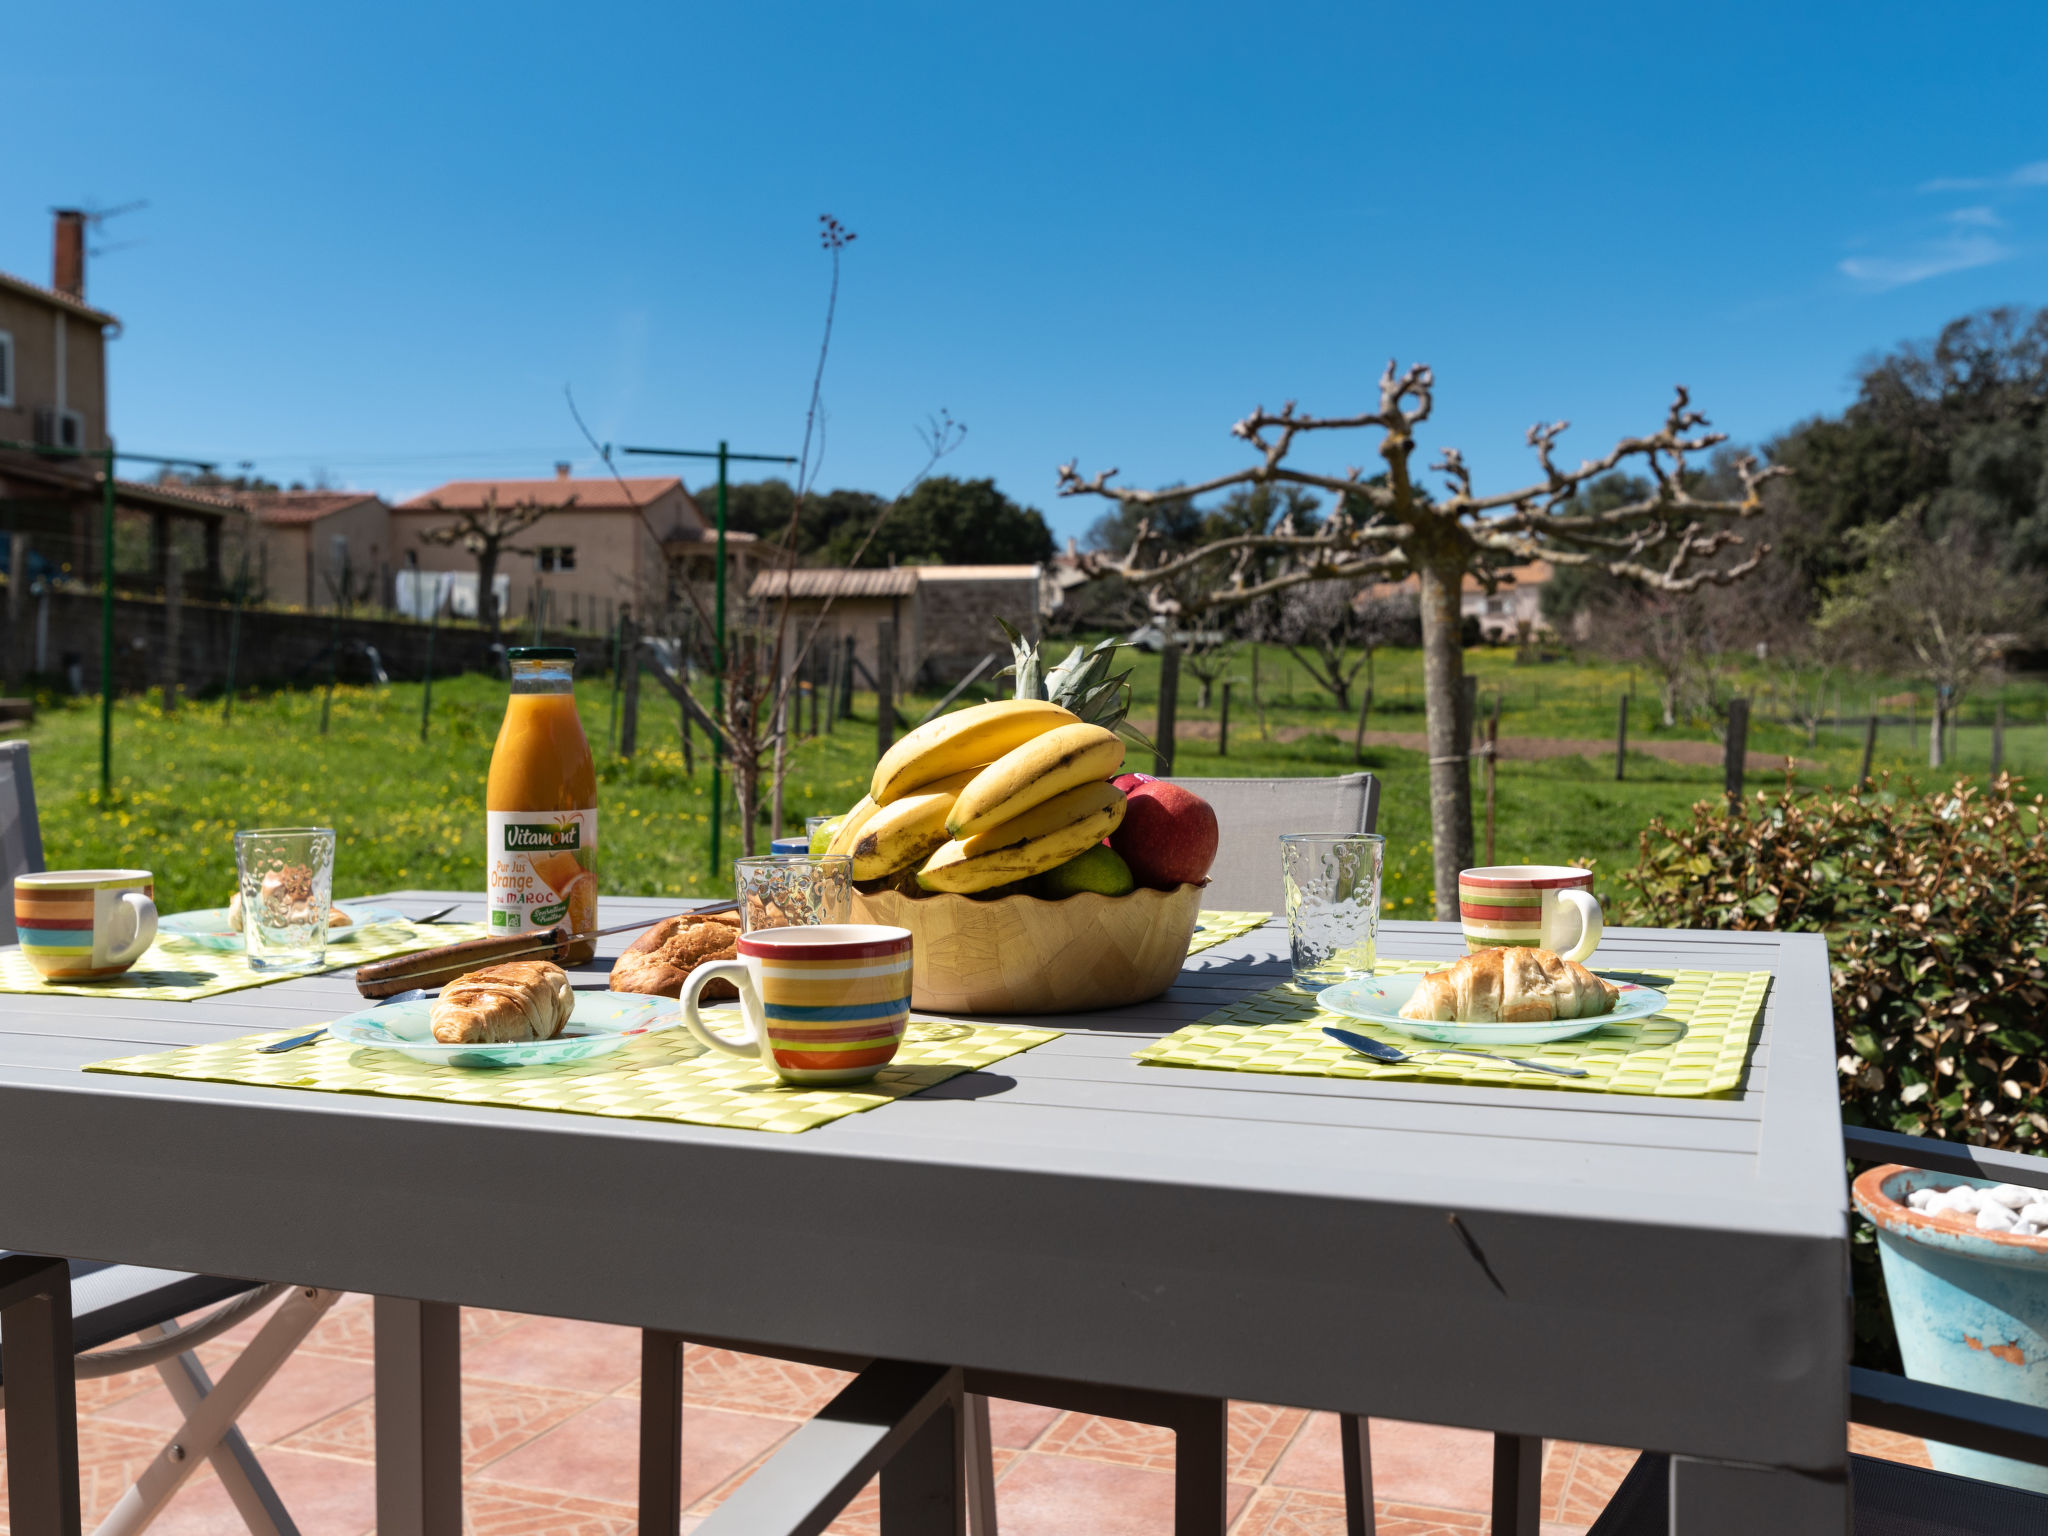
{"x":1443,"y":685}
{"x":487,"y":590}
{"x":1207,"y":683}
{"x":1935,"y":723}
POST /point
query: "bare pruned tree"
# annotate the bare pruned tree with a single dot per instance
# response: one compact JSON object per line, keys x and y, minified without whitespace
{"x":1386,"y":527}
{"x":487,"y":531}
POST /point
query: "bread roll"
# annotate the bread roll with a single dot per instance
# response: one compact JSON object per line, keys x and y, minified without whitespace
{"x":518,"y":1000}
{"x":1512,"y":985}
{"x":661,"y":959}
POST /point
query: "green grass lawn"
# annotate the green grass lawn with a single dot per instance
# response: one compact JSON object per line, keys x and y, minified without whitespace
{"x":411,"y":813}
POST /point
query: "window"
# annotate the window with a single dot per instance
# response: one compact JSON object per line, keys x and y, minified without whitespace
{"x":556,"y":557}
{"x":6,"y":368}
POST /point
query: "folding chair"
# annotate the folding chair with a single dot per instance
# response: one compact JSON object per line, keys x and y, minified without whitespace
{"x":54,"y":1310}
{"x":21,"y":838}
{"x":1252,"y":813}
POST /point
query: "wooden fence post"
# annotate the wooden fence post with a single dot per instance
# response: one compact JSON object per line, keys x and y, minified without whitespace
{"x":1223,"y":723}
{"x":1997,"y":738}
{"x":1621,"y":741}
{"x":1869,"y":751}
{"x":427,"y":687}
{"x":629,"y":699}
{"x":1737,"y":757}
{"x":1490,"y":755}
{"x":846,"y":678}
{"x":885,"y":687}
{"x":1169,"y":704}
{"x":174,"y":613}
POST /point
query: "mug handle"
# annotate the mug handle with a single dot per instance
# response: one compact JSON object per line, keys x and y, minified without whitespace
{"x":736,"y":972}
{"x":143,"y":914}
{"x":1592,"y":925}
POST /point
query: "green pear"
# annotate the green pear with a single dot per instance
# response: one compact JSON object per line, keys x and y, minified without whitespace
{"x":822,"y":838}
{"x":1100,"y":869}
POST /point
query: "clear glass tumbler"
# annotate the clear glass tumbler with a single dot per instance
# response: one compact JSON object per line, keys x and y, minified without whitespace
{"x":286,"y":879}
{"x":1333,"y":904}
{"x":793,"y":890}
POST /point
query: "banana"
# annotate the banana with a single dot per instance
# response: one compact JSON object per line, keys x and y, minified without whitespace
{"x":1042,"y":837}
{"x":851,"y":823}
{"x":902,"y":832}
{"x":1032,"y":774}
{"x":967,"y":738}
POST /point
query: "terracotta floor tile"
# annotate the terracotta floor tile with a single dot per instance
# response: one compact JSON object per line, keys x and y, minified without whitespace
{"x":1292,"y":1512}
{"x":325,"y":1498}
{"x":347,"y":1331}
{"x":724,"y":1378}
{"x":97,"y":1392}
{"x":1117,"y":1440}
{"x":596,"y":1453}
{"x":1259,"y":1433}
{"x":555,"y":1352}
{"x":1018,"y":1425}
{"x":498,"y":1514}
{"x":1052,"y":1495}
{"x":497,"y":1419}
{"x":1888,"y":1445}
{"x":110,"y":1457}
{"x":1396,"y":1519}
{"x":1579,"y":1480}
{"x":306,"y":1389}
{"x":1420,"y":1464}
{"x":862,"y":1515}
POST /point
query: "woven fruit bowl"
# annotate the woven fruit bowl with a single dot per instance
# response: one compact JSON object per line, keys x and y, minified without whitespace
{"x":1018,"y":954}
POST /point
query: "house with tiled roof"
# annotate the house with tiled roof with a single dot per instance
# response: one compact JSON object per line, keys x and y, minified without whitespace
{"x":319,"y":549}
{"x":53,"y":421}
{"x":599,"y":543}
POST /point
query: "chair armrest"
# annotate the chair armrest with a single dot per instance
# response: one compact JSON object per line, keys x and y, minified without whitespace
{"x":1968,"y":1419}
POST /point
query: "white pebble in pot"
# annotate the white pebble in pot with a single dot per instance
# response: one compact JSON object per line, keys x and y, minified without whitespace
{"x":2037,"y":1213}
{"x":1995,"y":1218}
{"x":2011,"y":1196}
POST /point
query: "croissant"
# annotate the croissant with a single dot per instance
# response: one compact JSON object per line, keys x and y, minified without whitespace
{"x":519,"y":1000}
{"x":1516,"y":985}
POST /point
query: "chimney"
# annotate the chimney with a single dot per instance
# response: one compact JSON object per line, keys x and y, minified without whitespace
{"x":67,"y":266}
{"x":561,"y":469}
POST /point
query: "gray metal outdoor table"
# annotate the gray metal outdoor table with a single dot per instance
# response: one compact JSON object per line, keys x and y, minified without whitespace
{"x":1644,"y":1272}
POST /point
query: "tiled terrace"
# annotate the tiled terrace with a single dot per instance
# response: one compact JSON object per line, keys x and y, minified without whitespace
{"x":550,"y":1422}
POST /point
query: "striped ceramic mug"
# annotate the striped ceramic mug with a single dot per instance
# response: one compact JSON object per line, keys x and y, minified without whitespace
{"x":1547,"y":905}
{"x":822,"y":1004}
{"x":83,"y":924}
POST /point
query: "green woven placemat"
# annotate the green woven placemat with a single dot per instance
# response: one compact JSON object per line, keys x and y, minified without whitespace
{"x":1214,"y":927}
{"x":1695,"y":1047}
{"x":182,"y":972}
{"x":663,"y":1076}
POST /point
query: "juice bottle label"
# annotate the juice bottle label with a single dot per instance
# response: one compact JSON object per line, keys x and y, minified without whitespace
{"x":540,"y":870}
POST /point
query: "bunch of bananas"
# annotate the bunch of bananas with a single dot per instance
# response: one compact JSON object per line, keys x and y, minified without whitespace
{"x":986,"y":797}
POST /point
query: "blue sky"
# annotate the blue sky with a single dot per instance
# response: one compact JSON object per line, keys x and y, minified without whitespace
{"x":381,"y":238}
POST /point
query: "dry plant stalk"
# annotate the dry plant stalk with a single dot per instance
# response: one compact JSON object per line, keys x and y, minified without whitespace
{"x":1386,"y":527}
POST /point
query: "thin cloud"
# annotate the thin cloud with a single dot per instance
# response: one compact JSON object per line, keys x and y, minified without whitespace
{"x":2033,"y":174}
{"x":1955,"y":253}
{"x":1979,"y":217}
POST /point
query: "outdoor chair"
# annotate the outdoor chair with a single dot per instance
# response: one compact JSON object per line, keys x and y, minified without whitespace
{"x":21,"y":840}
{"x":1252,"y":813}
{"x":52,"y":1311}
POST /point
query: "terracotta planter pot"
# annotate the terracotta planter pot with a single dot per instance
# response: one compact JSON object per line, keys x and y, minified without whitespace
{"x":1017,"y":954}
{"x":1970,"y":1307}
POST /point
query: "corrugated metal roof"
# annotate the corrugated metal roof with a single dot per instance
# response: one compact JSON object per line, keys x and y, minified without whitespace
{"x":976,"y":572}
{"x":837,"y":581}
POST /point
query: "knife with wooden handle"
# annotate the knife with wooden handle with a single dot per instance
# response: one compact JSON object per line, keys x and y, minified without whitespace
{"x":430,"y":968}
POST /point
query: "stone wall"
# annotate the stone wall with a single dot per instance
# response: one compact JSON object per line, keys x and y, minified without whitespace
{"x":276,"y":648}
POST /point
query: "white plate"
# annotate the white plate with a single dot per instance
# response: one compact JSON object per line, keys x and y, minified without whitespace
{"x":1380,"y":999}
{"x":601,"y":1022}
{"x":208,"y":928}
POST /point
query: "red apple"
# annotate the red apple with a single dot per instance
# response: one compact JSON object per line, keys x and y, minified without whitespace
{"x":1168,"y":836}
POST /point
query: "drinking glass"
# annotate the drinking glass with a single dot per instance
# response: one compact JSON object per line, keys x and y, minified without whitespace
{"x":286,"y":877}
{"x":793,"y":890}
{"x":1333,"y":904}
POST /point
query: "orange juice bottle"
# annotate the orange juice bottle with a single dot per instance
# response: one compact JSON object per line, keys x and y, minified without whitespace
{"x":540,"y":854}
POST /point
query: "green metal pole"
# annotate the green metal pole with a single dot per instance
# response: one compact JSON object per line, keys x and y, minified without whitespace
{"x":718,"y":669}
{"x":107,"y":633}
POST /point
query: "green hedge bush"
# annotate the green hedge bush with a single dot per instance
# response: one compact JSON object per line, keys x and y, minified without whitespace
{"x":1935,"y":908}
